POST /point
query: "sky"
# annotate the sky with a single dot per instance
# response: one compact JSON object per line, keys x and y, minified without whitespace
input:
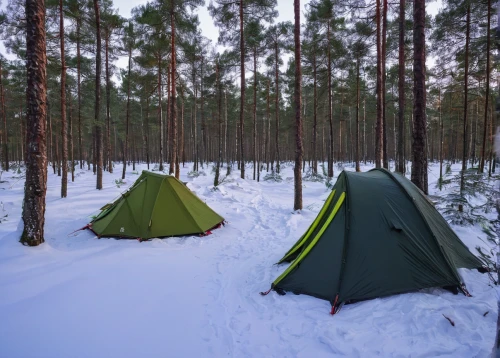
{"x":209,"y":30}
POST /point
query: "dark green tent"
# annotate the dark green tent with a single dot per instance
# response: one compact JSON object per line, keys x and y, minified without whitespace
{"x":376,"y":235}
{"x":155,"y":206}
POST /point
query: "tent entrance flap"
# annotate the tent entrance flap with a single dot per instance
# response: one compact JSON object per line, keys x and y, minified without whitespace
{"x":311,"y":229}
{"x":313,"y":242}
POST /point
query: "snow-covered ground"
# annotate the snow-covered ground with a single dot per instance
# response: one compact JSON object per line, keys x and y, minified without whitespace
{"x":77,"y":296}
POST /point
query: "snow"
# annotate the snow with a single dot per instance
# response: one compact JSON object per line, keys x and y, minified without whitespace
{"x":78,"y":296}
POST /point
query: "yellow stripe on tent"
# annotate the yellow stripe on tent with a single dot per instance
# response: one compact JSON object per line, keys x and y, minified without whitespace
{"x":316,"y":239}
{"x":312,"y":227}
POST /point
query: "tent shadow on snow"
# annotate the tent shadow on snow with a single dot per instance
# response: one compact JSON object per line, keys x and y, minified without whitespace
{"x":155,"y":206}
{"x":376,"y":235}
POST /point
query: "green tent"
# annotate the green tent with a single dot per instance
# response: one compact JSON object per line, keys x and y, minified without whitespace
{"x":155,"y":206}
{"x":376,"y":235}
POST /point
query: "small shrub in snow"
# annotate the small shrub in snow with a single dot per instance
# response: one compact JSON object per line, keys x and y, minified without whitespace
{"x":314,"y":177}
{"x":477,"y":200}
{"x":195,"y":174}
{"x":323,"y":169}
{"x":119,"y":182}
{"x":448,"y":169}
{"x":329,"y":183}
{"x":3,"y":213}
{"x":273,"y":176}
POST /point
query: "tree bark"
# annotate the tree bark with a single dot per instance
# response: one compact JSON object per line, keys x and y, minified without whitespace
{"x":70,"y":137}
{"x":4,"y":117}
{"x":219,"y":121}
{"x":127,"y":114}
{"x":358,"y":169}
{"x":204,"y":154}
{"x":78,"y":75}
{"x":173,"y":96}
{"x":254,"y":109}
{"x":465,"y":113}
{"x":64,"y":130}
{"x":385,"y":158}
{"x":379,"y":125}
{"x":400,"y":164}
{"x":487,"y":95}
{"x":297,"y":205}
{"x":441,"y":140}
{"x":267,"y":153}
{"x":98,"y":129}
{"x":419,"y":163}
{"x":277,"y":106}
{"x":330,"y":117}
{"x":315,"y":114}
{"x":108,"y":105}
{"x":242,"y":92}
{"x":36,"y":116}
{"x":160,"y":121}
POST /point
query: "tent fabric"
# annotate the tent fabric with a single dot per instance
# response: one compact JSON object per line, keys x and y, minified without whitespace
{"x":155,"y":206}
{"x":385,"y":238}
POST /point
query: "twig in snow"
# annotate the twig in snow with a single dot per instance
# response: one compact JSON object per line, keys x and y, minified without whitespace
{"x":449,"y":319}
{"x":485,"y":313}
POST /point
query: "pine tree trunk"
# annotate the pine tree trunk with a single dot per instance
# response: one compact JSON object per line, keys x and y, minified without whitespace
{"x":254,"y":109}
{"x":487,"y":95}
{"x":379,"y":125}
{"x":160,"y":121}
{"x":50,"y":138}
{"x":58,"y":158}
{"x":465,"y":113}
{"x":267,"y":153}
{"x":78,"y":76}
{"x":219,"y":121}
{"x":419,"y":167}
{"x":441,"y":140}
{"x":297,"y":204}
{"x":36,"y":97}
{"x":195,"y":126}
{"x":315,"y":115}
{"x":277,"y":107}
{"x":385,"y":158}
{"x":4,"y":117}
{"x":330,"y":117}
{"x":70,"y":138}
{"x":204,"y":152}
{"x":173,"y":97}
{"x":146,"y":132}
{"x":108,"y":105}
{"x":242,"y":92}
{"x":98,"y":124}
{"x":127,"y":114}
{"x":364,"y":129}
{"x":182,"y":148}
{"x":400,"y":164}
{"x":64,"y":130}
{"x":358,"y":169}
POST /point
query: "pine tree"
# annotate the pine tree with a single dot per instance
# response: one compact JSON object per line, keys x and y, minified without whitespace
{"x":36,"y":96}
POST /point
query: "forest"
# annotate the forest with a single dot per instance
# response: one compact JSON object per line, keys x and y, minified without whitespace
{"x":365,"y":93}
